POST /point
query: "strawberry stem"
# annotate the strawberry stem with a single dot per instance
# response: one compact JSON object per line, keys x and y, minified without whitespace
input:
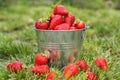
{"x":58,"y":3}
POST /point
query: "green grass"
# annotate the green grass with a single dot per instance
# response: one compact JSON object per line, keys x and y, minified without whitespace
{"x":18,"y":40}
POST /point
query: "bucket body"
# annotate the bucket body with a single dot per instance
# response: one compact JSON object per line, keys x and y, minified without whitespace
{"x":62,"y":46}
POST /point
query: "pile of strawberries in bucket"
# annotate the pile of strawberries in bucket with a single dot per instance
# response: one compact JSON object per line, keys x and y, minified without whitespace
{"x":60,"y":20}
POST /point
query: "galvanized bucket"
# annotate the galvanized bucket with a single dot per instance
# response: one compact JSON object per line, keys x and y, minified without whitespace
{"x":62,"y":46}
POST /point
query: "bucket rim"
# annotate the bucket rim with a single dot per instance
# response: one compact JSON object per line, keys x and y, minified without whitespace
{"x":62,"y":30}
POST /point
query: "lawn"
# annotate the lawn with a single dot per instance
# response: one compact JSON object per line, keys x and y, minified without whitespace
{"x":18,"y":40}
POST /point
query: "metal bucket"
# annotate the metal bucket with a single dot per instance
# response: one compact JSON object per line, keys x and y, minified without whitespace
{"x":62,"y":46}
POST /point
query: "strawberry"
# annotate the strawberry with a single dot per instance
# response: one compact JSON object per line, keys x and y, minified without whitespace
{"x":42,"y":25}
{"x":72,"y":28}
{"x":91,"y":76}
{"x":101,"y":63}
{"x":69,"y":19}
{"x":63,"y":26}
{"x":41,"y":70}
{"x":56,"y":20}
{"x":52,"y":16}
{"x":15,"y":66}
{"x":37,"y":24}
{"x":82,"y":64}
{"x":70,"y":71}
{"x":61,"y":10}
{"x":80,"y":25}
{"x":51,"y":76}
{"x":40,"y":59}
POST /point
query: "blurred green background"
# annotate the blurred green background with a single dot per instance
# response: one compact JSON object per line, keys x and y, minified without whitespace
{"x":94,"y":4}
{"x":18,"y":39}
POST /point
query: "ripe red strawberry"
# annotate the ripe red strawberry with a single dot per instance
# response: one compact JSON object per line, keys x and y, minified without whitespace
{"x":69,"y":19}
{"x":91,"y":76}
{"x":72,"y":28}
{"x":80,"y":25}
{"x":15,"y":66}
{"x":42,"y":25}
{"x":41,"y":70}
{"x":82,"y":64}
{"x":37,"y":24}
{"x":101,"y":63}
{"x":52,"y":16}
{"x":51,"y":76}
{"x":70,"y":71}
{"x":40,"y":59}
{"x":56,"y":20}
{"x":63,"y":26}
{"x":61,"y":10}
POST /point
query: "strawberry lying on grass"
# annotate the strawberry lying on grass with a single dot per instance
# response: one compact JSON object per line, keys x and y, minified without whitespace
{"x":52,"y":76}
{"x":15,"y":66}
{"x":70,"y":71}
{"x":41,"y":70}
{"x":91,"y":76}
{"x":101,"y":63}
{"x":40,"y":59}
{"x":82,"y":64}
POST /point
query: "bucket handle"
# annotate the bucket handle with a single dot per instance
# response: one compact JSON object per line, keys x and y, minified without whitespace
{"x":86,"y":27}
{"x":83,"y":32}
